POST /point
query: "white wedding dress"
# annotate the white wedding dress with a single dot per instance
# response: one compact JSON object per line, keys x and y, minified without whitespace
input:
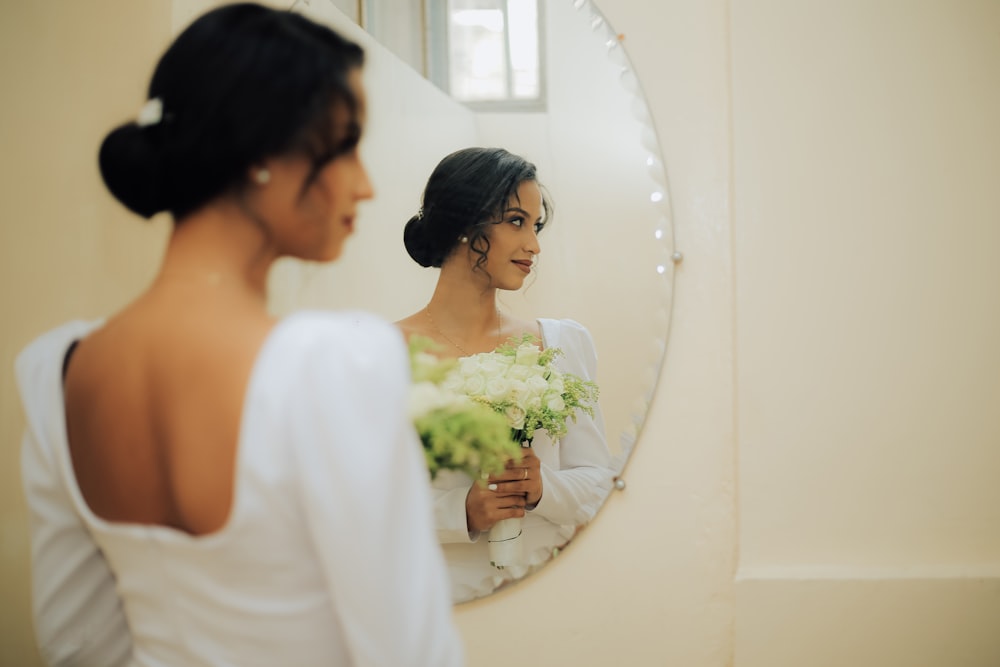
{"x":328,"y":557}
{"x":576,"y":478}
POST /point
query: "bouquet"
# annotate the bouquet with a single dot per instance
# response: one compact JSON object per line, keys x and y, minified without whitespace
{"x":457,"y":433}
{"x":520,"y":382}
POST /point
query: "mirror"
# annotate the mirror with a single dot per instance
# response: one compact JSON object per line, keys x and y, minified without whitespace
{"x":607,"y":258}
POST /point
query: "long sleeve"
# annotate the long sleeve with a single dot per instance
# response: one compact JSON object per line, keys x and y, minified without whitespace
{"x":78,"y":615}
{"x":575,"y":488}
{"x":450,"y":518}
{"x":365,"y":494}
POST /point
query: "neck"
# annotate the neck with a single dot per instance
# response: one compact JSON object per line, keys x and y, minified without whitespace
{"x":218,"y":247}
{"x":463,"y":304}
{"x":464,"y":314}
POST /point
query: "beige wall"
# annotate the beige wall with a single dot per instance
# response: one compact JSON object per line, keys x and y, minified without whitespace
{"x":866,"y":150}
{"x":813,"y":486}
{"x":69,"y":72}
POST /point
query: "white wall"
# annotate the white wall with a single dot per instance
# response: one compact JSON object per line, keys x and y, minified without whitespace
{"x":410,"y":126}
{"x":866,"y":150}
{"x":830,"y":380}
{"x":599,"y":256}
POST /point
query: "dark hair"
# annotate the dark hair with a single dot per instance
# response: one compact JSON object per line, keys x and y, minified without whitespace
{"x":465,"y":194}
{"x":240,"y":84}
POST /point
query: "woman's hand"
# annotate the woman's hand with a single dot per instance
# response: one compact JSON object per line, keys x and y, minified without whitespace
{"x":506,"y":495}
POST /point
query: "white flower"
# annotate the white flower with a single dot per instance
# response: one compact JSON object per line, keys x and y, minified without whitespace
{"x":527,"y":354}
{"x":474,"y":385}
{"x":453,"y":382}
{"x":425,"y":397}
{"x":536,"y":385}
{"x":556,"y":403}
{"x":488,"y":365}
{"x":497,"y":387}
{"x":515,"y":416}
{"x":518,"y":391}
{"x":519,"y":372}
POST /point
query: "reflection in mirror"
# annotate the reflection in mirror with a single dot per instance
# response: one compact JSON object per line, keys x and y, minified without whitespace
{"x":606,"y":257}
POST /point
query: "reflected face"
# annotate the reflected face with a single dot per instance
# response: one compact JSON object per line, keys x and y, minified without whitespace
{"x":514,"y":238}
{"x":314,"y":223}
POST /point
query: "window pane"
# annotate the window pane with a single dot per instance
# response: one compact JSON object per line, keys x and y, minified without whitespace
{"x":477,"y":50}
{"x":522,"y":18}
{"x":493,"y":50}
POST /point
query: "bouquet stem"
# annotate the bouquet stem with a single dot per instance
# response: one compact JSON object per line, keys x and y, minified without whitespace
{"x":505,"y":543}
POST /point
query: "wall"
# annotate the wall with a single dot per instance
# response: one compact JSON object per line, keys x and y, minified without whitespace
{"x":592,"y":148}
{"x":830,"y":174}
{"x":866,"y":156}
{"x":650,"y":582}
{"x":67,"y":249}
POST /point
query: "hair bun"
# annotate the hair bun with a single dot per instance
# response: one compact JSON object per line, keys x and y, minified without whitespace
{"x":416,"y":242}
{"x":130,"y":166}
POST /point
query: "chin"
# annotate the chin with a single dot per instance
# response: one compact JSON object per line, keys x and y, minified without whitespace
{"x":331,"y":253}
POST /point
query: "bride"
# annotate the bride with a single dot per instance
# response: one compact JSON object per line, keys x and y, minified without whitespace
{"x":482,"y":212}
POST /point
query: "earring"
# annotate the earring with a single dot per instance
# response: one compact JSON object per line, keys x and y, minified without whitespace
{"x":262,"y":176}
{"x":463,"y":239}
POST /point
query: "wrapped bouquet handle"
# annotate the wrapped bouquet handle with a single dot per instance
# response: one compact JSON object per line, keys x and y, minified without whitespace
{"x":506,"y":545}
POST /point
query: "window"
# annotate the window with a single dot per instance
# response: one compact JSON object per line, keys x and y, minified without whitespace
{"x":490,"y":50}
{"x":485,"y":53}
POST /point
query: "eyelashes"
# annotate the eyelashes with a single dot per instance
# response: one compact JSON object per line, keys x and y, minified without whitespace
{"x":519,"y":221}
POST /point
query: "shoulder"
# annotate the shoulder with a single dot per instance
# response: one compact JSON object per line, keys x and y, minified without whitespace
{"x":560,"y":332}
{"x":334,"y":344}
{"x":575,"y":341}
{"x":317,"y":327}
{"x":414,"y":325}
{"x":38,"y":367}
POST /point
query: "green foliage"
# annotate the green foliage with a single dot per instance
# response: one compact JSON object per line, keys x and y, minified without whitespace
{"x":466,"y":437}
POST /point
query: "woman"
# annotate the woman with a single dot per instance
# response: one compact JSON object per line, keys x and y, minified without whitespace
{"x":482,"y":212}
{"x":209,"y":486}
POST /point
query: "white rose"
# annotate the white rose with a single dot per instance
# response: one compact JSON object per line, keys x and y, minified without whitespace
{"x":556,"y":404}
{"x":515,"y":416}
{"x":497,"y":387}
{"x":527,"y":354}
{"x":489,"y":365}
{"x":474,"y":385}
{"x":517,"y":390}
{"x":423,"y":398}
{"x":453,"y":382}
{"x":537,"y":385}
{"x":519,"y":372}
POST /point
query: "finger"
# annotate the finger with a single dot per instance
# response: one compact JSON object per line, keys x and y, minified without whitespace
{"x":511,"y":513}
{"x":508,"y":507}
{"x":512,"y":475}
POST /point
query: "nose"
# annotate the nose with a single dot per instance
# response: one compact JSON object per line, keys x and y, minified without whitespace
{"x":363,"y":189}
{"x":532,"y":245}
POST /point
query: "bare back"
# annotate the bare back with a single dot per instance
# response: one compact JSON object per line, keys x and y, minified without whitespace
{"x":154,"y":403}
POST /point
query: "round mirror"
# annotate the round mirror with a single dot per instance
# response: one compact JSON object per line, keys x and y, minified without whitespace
{"x":607,"y":257}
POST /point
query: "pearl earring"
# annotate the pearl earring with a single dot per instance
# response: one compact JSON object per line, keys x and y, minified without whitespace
{"x":463,"y":239}
{"x":262,"y":176}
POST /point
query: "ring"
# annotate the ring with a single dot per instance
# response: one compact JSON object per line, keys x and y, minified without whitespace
{"x":525,"y":474}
